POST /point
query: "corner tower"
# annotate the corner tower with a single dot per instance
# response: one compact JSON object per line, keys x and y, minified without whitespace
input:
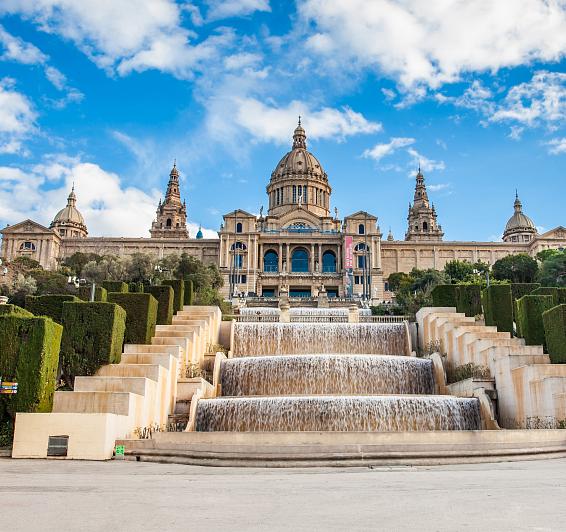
{"x":299,"y":181}
{"x":422,"y":217}
{"x":171,"y":219}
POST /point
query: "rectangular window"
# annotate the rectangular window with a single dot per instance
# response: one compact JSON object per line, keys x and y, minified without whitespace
{"x":294,"y":194}
{"x":305,"y":195}
{"x":361,"y":261}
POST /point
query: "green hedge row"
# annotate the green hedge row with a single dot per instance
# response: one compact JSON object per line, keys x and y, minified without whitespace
{"x":529,"y":310}
{"x":141,"y":316}
{"x":93,"y":337}
{"x":164,"y":295}
{"x":29,"y":356}
{"x":179,"y":289}
{"x":554,"y":321}
{"x":115,"y":286}
{"x":518,"y":290}
{"x":14,"y":309}
{"x":465,"y":297}
{"x":497,"y":303}
{"x":136,"y":288}
{"x":558,"y":294}
{"x":48,"y":305}
{"x":189,"y":298}
{"x":100,"y":293}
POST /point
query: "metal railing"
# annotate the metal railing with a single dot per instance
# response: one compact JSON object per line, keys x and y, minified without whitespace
{"x":323,"y":318}
{"x":384,"y":319}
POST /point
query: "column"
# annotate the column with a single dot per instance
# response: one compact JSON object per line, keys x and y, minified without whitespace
{"x":288,"y":258}
{"x":280,"y":258}
{"x":312,"y":258}
{"x":220,"y":261}
{"x":261,"y":257}
{"x":320,"y":257}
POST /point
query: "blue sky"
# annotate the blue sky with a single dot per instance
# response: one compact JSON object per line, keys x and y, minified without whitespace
{"x":108,"y":93}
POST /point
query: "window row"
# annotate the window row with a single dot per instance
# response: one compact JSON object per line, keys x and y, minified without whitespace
{"x":299,"y":261}
{"x":298,"y":193}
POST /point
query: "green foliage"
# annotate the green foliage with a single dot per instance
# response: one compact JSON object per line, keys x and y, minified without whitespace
{"x":51,"y":306}
{"x":48,"y":282}
{"x":202,"y":275}
{"x":140,"y":267}
{"x":529,"y":317}
{"x":520,"y":268}
{"x":554,"y":321}
{"x":547,"y":291}
{"x":100,"y":293}
{"x":30,"y":357}
{"x":26,"y":264}
{"x":108,"y":268}
{"x":14,"y":309}
{"x":386,"y":310}
{"x":468,"y":299}
{"x":77,"y":261}
{"x":445,"y":295}
{"x":165,"y":297}
{"x":467,"y":371}
{"x":546,"y":254}
{"x":397,"y":280}
{"x":518,"y":290}
{"x":210,"y":297}
{"x":497,"y":303}
{"x":458,"y":270}
{"x":136,"y":287}
{"x":115,"y":286}
{"x":141,"y":316}
{"x":93,"y":337}
{"x":179,"y":289}
{"x":415,"y":291}
{"x":22,"y":287}
{"x":553,"y":270}
{"x":189,"y":297}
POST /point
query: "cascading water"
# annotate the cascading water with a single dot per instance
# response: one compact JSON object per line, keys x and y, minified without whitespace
{"x":257,"y":339}
{"x":326,"y":374}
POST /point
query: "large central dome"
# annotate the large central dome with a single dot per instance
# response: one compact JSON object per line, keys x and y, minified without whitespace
{"x":299,"y":181}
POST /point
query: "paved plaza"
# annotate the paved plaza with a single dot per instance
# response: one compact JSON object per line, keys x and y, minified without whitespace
{"x":123,"y":496}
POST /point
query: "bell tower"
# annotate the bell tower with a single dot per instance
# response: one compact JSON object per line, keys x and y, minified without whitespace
{"x":422,"y":223}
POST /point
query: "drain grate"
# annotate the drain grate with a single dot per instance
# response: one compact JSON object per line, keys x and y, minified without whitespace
{"x":57,"y":445}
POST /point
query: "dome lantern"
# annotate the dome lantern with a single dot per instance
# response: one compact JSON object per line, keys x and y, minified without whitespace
{"x":69,"y":222}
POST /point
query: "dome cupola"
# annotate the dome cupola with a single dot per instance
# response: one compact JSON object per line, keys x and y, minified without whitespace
{"x":69,"y":222}
{"x":519,"y":228}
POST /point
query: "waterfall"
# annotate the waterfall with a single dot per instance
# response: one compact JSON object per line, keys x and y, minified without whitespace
{"x":334,"y":413}
{"x":326,"y":375}
{"x":257,"y":339}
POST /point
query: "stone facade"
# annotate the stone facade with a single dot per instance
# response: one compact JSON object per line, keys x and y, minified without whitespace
{"x":300,"y":245}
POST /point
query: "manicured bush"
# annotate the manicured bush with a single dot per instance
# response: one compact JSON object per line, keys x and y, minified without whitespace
{"x":136,"y":288}
{"x":49,"y":305}
{"x":554,"y":321}
{"x":497,"y":303}
{"x":468,"y":299}
{"x":100,"y":293}
{"x":115,"y":286}
{"x":93,"y":337}
{"x":444,"y":295}
{"x":14,"y":309}
{"x":189,"y":298}
{"x":30,"y":357}
{"x":179,"y":289}
{"x":529,"y":317}
{"x":164,"y":295}
{"x":518,"y":290}
{"x":546,"y":291}
{"x":141,"y":316}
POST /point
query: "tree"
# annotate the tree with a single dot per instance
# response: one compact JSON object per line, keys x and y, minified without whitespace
{"x":23,"y":286}
{"x":458,"y":271}
{"x":191,"y":268}
{"x":109,"y":268}
{"x":546,"y":254}
{"x":520,"y":268}
{"x":51,"y":282}
{"x":553,"y":270}
{"x":25,"y":264}
{"x":77,"y":261}
{"x":395,"y":280}
{"x":414,"y":291}
{"x":140,"y":267}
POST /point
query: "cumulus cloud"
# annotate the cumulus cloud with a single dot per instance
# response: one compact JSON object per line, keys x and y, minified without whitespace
{"x":15,"y":49}
{"x":434,"y":42}
{"x":381,"y":150}
{"x":557,"y":146}
{"x":123,"y":35}
{"x":17,"y":117}
{"x":109,"y":207}
{"x":425,"y":164}
{"x":220,"y":9}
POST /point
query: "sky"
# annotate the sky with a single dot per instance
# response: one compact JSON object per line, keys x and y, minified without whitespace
{"x":106,"y":94}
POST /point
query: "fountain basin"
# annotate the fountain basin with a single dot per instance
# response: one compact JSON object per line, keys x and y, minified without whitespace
{"x":392,"y":413}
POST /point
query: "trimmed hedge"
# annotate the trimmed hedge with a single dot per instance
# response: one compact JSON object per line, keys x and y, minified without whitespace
{"x":115,"y":286}
{"x":141,"y":316}
{"x":554,"y":321}
{"x":189,"y":298}
{"x":518,"y":290}
{"x":465,"y":297}
{"x":179,"y":289}
{"x":136,"y":288}
{"x":100,"y":293}
{"x":497,"y":302}
{"x":93,"y":337}
{"x":14,"y":309}
{"x":529,"y":317}
{"x":30,"y":357}
{"x":546,"y":291}
{"x":49,"y":305}
{"x":164,"y":295}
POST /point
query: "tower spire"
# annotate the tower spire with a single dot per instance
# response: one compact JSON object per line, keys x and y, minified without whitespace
{"x":299,"y":137}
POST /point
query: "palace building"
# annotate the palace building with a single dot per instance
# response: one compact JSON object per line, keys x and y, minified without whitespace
{"x":300,"y":244}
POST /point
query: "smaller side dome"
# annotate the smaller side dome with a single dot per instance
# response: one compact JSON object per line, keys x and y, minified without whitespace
{"x":69,"y":222}
{"x":519,"y":228}
{"x":199,"y":233}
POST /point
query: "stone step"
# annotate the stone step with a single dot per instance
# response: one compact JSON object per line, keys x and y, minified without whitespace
{"x":183,"y":407}
{"x":119,"y":403}
{"x":137,"y":385}
{"x":155,"y":349}
{"x":164,"y":360}
{"x":150,"y":371}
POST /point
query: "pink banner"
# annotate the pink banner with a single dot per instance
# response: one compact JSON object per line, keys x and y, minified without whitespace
{"x":349,"y":252}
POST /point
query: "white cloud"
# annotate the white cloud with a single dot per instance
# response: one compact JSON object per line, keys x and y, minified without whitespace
{"x":557,"y":146}
{"x":109,"y":207}
{"x":426,"y":164}
{"x":15,"y":49}
{"x":516,"y":132}
{"x":220,"y":9}
{"x":268,"y":123}
{"x":381,"y":150}
{"x":123,"y":35}
{"x":434,"y":42}
{"x":17,"y":118}
{"x":438,"y":187}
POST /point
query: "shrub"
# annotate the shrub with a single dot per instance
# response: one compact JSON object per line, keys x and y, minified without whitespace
{"x":554,"y":321}
{"x":14,"y":309}
{"x":51,"y":306}
{"x":93,"y":337}
{"x":115,"y":286}
{"x":546,"y":291}
{"x":136,"y":288}
{"x":100,"y":293}
{"x":141,"y":316}
{"x":164,"y":295}
{"x":189,"y":297}
{"x":497,"y":304}
{"x":467,"y":371}
{"x":179,"y":289}
{"x":29,"y":356}
{"x":518,"y":290}
{"x":444,"y":295}
{"x":468,"y":299}
{"x":529,"y":317}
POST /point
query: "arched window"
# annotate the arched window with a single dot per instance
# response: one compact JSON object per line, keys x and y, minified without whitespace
{"x":27,"y":246}
{"x":328,"y":262}
{"x":425,"y":226}
{"x":361,"y":247}
{"x":169,"y":222}
{"x":239,"y":227}
{"x":270,"y":261}
{"x":238,"y":245}
{"x":361,"y":229}
{"x":300,"y":260}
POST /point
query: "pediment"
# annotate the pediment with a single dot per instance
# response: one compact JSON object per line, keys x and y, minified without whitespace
{"x":558,"y":232}
{"x":26,"y":227}
{"x":240,"y":214}
{"x":299,"y":216}
{"x":360,"y":215}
